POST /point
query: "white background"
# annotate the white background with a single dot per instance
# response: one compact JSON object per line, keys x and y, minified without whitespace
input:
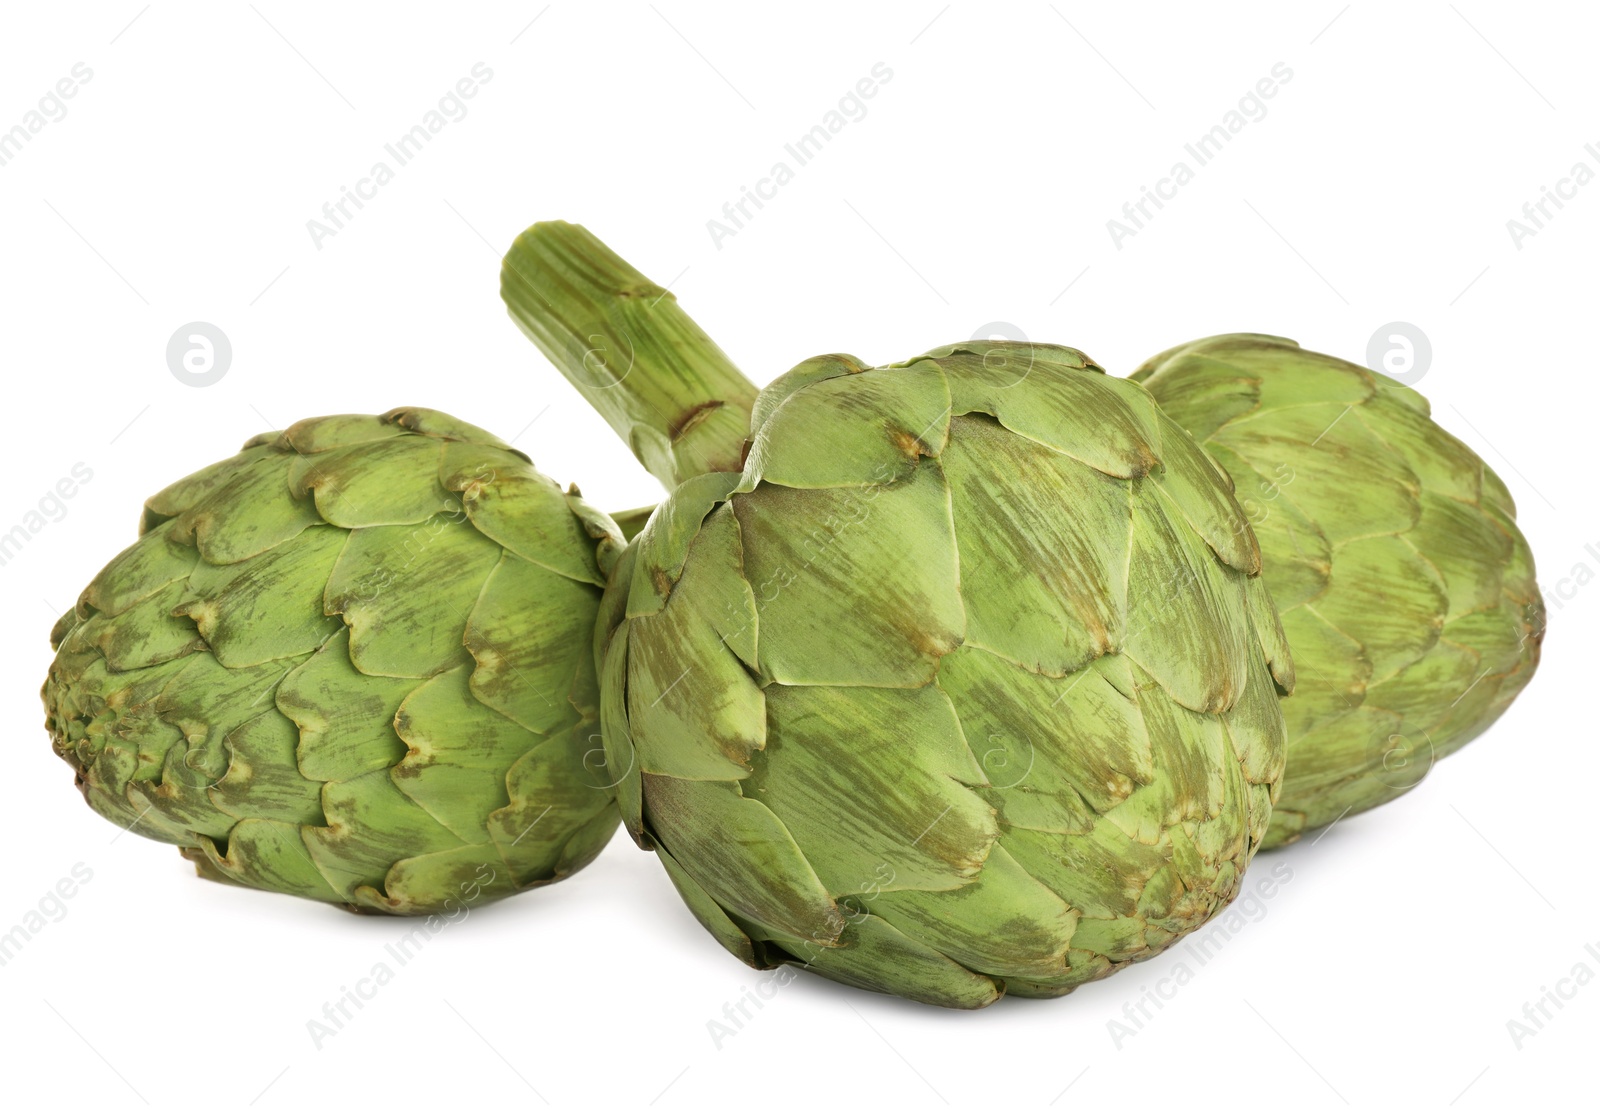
{"x":977,"y":188}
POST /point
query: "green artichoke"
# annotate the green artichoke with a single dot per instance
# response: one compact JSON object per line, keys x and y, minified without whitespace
{"x":350,"y":663}
{"x":966,"y":684}
{"x":1407,"y":592}
{"x":893,"y":714}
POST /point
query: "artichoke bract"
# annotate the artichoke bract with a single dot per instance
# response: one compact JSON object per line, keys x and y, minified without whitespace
{"x":351,"y":663}
{"x":1406,"y":590}
{"x":964,"y":684}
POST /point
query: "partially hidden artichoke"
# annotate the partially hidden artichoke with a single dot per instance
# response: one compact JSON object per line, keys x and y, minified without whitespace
{"x":351,"y":663}
{"x":966,"y":684}
{"x":1406,"y":590}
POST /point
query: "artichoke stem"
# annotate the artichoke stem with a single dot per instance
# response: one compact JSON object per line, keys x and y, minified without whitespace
{"x":660,"y":382}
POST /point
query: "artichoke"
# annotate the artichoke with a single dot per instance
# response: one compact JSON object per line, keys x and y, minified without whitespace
{"x":963,"y":684}
{"x":1407,"y":592}
{"x":350,"y":663}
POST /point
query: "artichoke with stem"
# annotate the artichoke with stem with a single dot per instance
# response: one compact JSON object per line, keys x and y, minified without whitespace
{"x":945,"y":679}
{"x":351,"y":663}
{"x":1407,"y":591}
